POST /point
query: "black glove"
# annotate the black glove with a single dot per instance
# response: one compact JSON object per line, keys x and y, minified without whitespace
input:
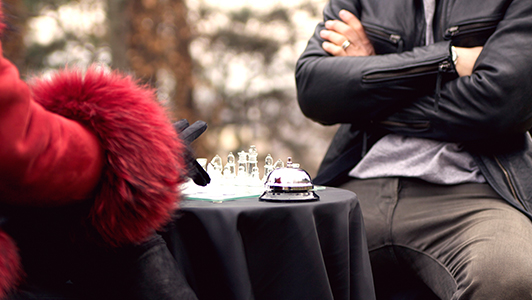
{"x":188,"y":134}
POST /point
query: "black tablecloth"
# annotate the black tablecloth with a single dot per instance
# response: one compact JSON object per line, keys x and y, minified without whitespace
{"x":249,"y":249}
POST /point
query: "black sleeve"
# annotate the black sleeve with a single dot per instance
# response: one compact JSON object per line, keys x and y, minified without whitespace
{"x":404,"y":89}
{"x":361,"y":89}
{"x":496,"y":100}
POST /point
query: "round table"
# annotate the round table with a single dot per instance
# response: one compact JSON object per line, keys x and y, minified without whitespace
{"x":250,"y":249}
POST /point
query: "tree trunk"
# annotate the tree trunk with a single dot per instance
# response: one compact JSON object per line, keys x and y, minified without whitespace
{"x":118,"y":29}
{"x":151,"y":39}
{"x":13,"y":38}
{"x":158,"y":42}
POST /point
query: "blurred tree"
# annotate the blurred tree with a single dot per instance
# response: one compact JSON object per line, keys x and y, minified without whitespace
{"x":13,"y":39}
{"x":242,"y":83}
{"x":117,"y":32}
{"x":244,"y":68}
{"x":151,"y":38}
{"x":65,"y":32}
{"x":157,"y":42}
{"x":229,"y":65}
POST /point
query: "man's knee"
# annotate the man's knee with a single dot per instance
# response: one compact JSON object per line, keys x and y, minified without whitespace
{"x":498,"y":275}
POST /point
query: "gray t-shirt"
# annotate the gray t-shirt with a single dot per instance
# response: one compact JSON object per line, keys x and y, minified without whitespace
{"x":433,"y":161}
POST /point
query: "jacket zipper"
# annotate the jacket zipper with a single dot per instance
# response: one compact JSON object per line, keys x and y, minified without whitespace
{"x":442,"y":68}
{"x":439,"y":67}
{"x":509,"y":181}
{"x":408,"y":72}
{"x":390,"y":37}
{"x":468,"y":28}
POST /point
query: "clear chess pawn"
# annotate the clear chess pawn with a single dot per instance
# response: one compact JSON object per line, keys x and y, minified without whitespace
{"x":230,"y":166}
{"x":242,"y":173}
{"x":214,"y":169}
{"x":229,"y":172}
{"x":202,"y":162}
{"x":278,"y":164}
{"x":217,"y":163}
{"x":241,"y":176}
{"x":268,"y":167}
{"x":254,"y":180}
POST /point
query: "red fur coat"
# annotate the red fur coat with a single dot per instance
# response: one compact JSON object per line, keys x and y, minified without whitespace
{"x":75,"y":137}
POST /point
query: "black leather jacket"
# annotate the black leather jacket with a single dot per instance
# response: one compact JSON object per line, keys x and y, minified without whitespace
{"x":412,"y":89}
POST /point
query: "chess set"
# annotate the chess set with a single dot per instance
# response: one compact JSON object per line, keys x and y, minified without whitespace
{"x":238,"y":178}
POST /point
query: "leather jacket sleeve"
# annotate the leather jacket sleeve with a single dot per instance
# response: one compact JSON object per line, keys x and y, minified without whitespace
{"x":365,"y":91}
{"x":496,"y":100}
{"x":358,"y":90}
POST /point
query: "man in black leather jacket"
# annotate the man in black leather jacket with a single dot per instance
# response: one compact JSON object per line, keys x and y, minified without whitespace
{"x":434,"y":99}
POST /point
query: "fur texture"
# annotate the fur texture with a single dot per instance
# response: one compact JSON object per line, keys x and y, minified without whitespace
{"x":10,"y":268}
{"x":139,"y":188}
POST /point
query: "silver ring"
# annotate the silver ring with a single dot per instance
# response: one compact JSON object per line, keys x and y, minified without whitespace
{"x":346,"y":44}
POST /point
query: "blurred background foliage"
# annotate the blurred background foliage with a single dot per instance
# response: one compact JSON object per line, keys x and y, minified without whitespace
{"x":230,"y":63}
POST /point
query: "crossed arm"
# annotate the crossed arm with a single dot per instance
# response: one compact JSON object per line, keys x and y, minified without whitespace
{"x":355,"y":86}
{"x":349,"y":28}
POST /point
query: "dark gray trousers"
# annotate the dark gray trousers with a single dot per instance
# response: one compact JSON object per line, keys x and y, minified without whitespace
{"x":460,"y":241}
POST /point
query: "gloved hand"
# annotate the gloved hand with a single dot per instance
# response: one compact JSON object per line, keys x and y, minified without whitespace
{"x":188,"y":133}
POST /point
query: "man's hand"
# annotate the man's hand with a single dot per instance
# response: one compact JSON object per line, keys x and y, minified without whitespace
{"x":466,"y":59}
{"x":346,"y":37}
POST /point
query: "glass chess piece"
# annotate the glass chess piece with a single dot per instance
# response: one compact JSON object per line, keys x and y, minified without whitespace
{"x":214,"y":169}
{"x":231,"y":165}
{"x":278,"y":164}
{"x":229,"y":172}
{"x":242,"y":172}
{"x":217,"y":163}
{"x":202,"y":162}
{"x":254,"y":179}
{"x":252,"y":159}
{"x":268,"y":167}
{"x":210,"y":168}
